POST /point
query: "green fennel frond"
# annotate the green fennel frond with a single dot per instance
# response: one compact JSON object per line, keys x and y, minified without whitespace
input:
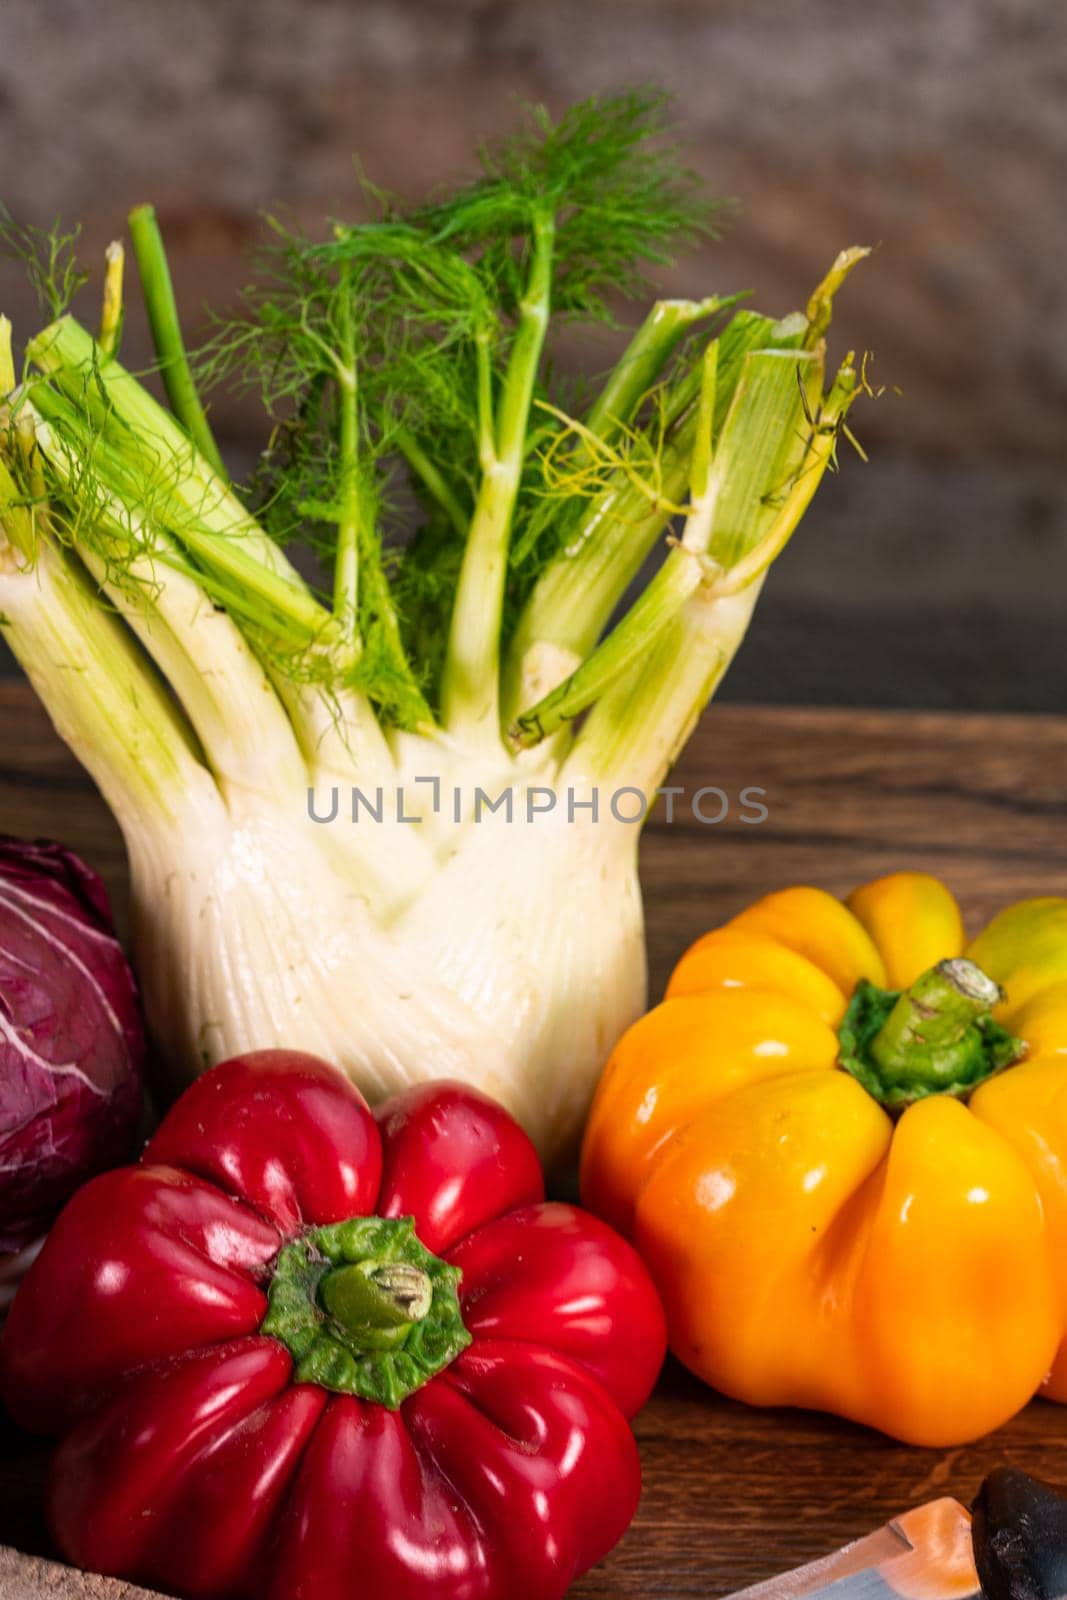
{"x":610,"y":176}
{"x":50,"y":259}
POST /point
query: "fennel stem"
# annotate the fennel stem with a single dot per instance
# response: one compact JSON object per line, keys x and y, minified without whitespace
{"x":486,"y":424}
{"x":166,"y":333}
{"x":471,"y":680}
{"x":574,"y":598}
{"x":7,"y":360}
{"x":636,"y":730}
{"x":726,"y":516}
{"x":17,"y":534}
{"x":432,"y":480}
{"x":152,"y":454}
{"x":105,"y":700}
{"x":198,"y":647}
{"x":346,"y":565}
{"x":639,"y":366}
{"x":111,"y":312}
{"x":667,"y":591}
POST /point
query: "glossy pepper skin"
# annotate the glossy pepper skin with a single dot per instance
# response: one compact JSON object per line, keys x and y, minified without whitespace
{"x":902,"y":1264}
{"x":191,"y":1459}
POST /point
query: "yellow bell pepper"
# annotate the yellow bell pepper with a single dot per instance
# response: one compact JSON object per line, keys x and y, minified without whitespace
{"x":841,"y":1146}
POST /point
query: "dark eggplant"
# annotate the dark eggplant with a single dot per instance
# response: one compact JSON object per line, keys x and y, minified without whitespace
{"x":1020,"y":1537}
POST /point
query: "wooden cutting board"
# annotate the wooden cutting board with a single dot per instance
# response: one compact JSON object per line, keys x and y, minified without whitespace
{"x":731,"y":1495}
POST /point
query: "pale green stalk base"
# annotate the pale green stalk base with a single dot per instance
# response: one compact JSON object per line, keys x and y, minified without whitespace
{"x":104,"y":699}
{"x":470,"y":690}
{"x":637,"y":731}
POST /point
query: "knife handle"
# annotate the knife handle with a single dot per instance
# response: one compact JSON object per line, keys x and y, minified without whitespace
{"x":1019,"y":1529}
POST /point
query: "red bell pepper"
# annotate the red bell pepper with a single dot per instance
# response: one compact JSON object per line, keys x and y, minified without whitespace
{"x":301,"y":1353}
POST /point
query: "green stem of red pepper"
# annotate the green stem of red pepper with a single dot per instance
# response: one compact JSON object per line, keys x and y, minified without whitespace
{"x":365,"y":1309}
{"x":385,"y":1299}
{"x":937,"y":1037}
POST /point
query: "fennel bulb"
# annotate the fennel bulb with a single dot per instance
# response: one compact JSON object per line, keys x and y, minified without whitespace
{"x":233,"y":716}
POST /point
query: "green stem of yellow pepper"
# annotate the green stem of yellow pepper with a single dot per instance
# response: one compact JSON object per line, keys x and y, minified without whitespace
{"x":937,"y":1037}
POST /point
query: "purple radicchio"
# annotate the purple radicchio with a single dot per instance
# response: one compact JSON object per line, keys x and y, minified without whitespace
{"x":71,"y":1037}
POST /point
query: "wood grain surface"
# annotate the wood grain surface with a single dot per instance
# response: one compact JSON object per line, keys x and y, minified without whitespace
{"x":731,"y":1495}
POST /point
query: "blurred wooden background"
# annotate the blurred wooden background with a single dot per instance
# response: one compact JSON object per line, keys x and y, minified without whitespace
{"x":935,"y":575}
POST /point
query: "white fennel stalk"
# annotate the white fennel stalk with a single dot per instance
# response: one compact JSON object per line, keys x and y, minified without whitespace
{"x":328,"y":850}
